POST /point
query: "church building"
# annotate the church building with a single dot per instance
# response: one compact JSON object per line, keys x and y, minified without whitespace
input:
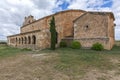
{"x":87,"y":27}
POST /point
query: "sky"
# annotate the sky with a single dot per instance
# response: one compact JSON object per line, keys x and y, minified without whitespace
{"x":12,"y":12}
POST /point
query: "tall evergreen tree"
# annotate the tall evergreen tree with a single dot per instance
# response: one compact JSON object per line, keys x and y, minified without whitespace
{"x":53,"y":33}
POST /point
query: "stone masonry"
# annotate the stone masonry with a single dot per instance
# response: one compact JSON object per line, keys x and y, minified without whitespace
{"x":83,"y":26}
{"x":95,"y":27}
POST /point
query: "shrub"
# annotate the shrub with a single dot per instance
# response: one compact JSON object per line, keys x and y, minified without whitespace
{"x":75,"y":45}
{"x":63,"y":44}
{"x":97,"y":46}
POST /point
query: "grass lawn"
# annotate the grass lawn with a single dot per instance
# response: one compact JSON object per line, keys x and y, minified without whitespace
{"x":6,"y":51}
{"x":61,"y":64}
{"x":74,"y":62}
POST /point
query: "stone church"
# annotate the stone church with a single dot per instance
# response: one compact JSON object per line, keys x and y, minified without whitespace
{"x":83,"y":26}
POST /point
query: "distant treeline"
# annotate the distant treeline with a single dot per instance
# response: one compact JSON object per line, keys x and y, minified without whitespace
{"x":3,"y":42}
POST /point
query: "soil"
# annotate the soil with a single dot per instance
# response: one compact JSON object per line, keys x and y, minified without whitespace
{"x":36,"y":67}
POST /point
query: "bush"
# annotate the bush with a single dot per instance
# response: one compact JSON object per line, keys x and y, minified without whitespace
{"x":63,"y":44}
{"x":97,"y":46}
{"x":75,"y":45}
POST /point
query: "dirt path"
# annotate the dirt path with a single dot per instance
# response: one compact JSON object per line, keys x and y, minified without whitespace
{"x":29,"y":67}
{"x":113,"y":74}
{"x":39,"y":67}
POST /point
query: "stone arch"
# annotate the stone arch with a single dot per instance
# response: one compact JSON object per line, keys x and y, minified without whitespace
{"x":25,"y":38}
{"x":16,"y":40}
{"x":33,"y":39}
{"x":19,"y":40}
{"x":29,"y":40}
{"x":22,"y":40}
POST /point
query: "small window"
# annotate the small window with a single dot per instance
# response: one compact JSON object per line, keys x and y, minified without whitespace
{"x":86,"y":27}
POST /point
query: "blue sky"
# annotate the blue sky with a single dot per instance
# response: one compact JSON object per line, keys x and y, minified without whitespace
{"x":65,"y":4}
{"x":13,"y":11}
{"x":109,"y":4}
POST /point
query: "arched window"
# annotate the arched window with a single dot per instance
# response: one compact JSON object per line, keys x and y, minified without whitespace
{"x":22,"y":40}
{"x":34,"y":39}
{"x":25,"y":40}
{"x":29,"y":40}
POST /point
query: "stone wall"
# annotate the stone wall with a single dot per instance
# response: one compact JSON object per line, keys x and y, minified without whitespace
{"x":63,"y":20}
{"x":94,"y":27}
{"x":88,"y":42}
{"x":68,"y":41}
{"x":111,"y":31}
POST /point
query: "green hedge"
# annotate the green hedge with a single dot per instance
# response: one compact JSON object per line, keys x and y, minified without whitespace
{"x":63,"y":44}
{"x":97,"y":46}
{"x":75,"y":45}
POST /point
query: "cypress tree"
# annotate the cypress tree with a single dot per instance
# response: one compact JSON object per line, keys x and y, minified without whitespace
{"x":53,"y":33}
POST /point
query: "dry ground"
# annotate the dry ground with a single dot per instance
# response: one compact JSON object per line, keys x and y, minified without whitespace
{"x":42,"y":67}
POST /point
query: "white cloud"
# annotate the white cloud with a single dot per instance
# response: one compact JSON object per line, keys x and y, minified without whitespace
{"x":85,"y":4}
{"x":14,"y":11}
{"x":116,"y":10}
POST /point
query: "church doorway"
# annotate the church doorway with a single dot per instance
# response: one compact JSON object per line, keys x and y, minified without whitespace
{"x":56,"y":37}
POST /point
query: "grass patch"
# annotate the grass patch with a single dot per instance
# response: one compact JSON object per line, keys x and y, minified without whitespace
{"x":101,"y":78}
{"x":78,"y":61}
{"x":71,"y":62}
{"x":26,"y":49}
{"x":6,"y":51}
{"x":84,"y":59}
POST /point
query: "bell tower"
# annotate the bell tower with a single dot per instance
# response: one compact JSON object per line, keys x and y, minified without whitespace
{"x":28,"y":20}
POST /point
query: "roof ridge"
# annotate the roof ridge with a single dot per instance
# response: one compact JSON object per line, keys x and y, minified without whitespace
{"x":56,"y":14}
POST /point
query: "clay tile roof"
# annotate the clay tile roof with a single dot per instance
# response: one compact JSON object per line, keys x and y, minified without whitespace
{"x":24,"y":33}
{"x":104,"y":13}
{"x":101,"y":13}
